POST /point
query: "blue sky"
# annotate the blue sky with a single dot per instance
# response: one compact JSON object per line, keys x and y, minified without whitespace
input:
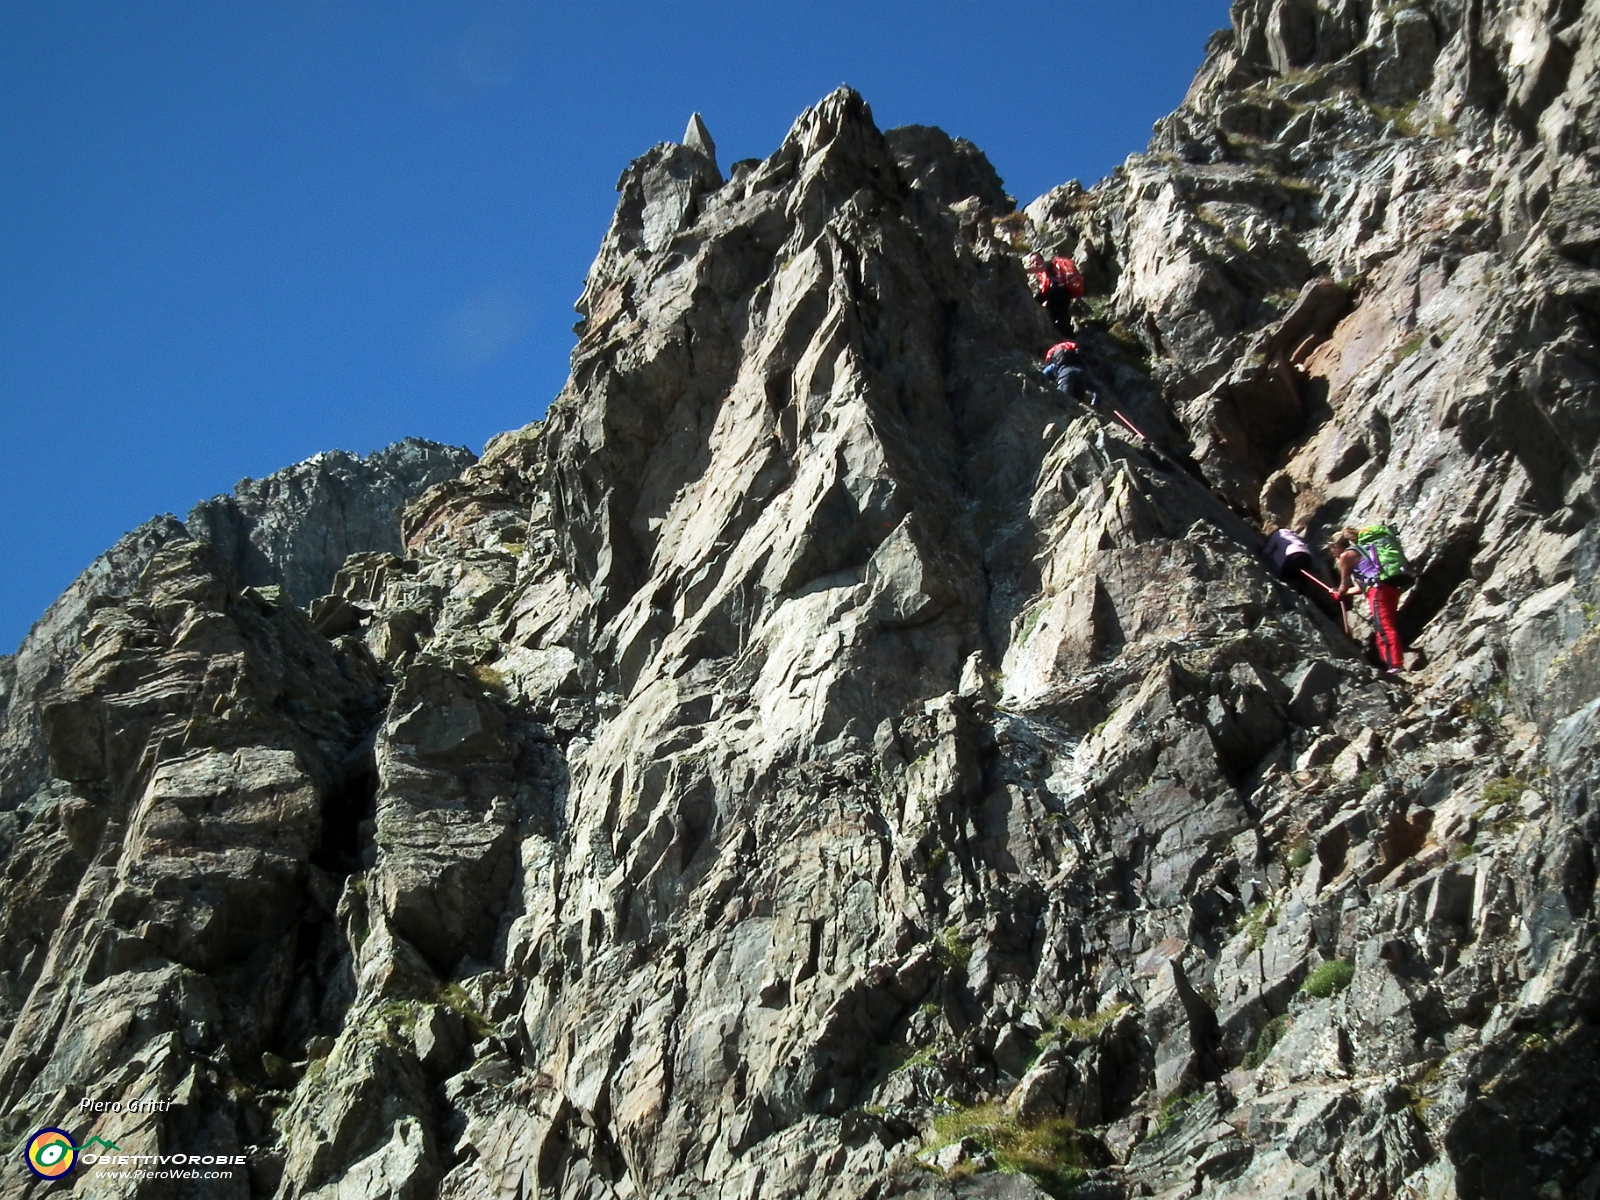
{"x":232,"y":235}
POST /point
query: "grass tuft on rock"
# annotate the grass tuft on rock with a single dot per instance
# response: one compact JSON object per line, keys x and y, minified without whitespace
{"x":1086,"y":1029}
{"x":952,"y":950}
{"x":1048,"y":1151}
{"x":1329,"y":979}
{"x":924,"y":1057}
{"x":393,"y":1022}
{"x":1261,"y":918}
{"x":453,"y":995}
{"x":1507,"y":789}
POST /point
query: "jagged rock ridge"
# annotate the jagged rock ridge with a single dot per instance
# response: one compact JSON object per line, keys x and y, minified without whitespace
{"x":815,"y":762}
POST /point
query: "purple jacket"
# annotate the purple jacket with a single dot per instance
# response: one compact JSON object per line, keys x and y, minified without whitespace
{"x":1282,"y":544}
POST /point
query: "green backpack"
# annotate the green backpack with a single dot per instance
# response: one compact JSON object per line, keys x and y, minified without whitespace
{"x":1382,"y":559}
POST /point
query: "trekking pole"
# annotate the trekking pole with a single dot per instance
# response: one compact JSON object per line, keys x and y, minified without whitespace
{"x":1161,"y":455}
{"x":1137,"y":432}
{"x":1332,"y":592}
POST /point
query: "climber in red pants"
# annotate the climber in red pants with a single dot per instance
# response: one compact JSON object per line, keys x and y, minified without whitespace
{"x":1371,"y":559}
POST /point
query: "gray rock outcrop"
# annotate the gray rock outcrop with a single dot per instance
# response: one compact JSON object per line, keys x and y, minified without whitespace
{"x":52,"y":644}
{"x":817,"y":761}
{"x":294,"y":528}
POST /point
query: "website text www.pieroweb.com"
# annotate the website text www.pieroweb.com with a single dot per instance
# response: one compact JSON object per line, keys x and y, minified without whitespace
{"x":53,"y":1153}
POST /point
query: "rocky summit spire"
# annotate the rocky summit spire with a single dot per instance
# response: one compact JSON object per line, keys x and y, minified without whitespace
{"x":698,"y":137}
{"x":820,"y":747}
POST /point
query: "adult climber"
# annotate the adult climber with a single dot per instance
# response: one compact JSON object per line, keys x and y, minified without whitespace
{"x":1059,"y":283}
{"x":1063,"y":366}
{"x":1371,"y":560}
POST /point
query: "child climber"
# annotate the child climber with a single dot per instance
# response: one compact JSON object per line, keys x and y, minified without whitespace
{"x":1371,"y":560}
{"x":1289,"y":555}
{"x":1291,"y":560}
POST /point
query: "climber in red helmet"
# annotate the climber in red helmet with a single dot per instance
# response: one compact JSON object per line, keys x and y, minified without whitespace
{"x":1059,"y":283}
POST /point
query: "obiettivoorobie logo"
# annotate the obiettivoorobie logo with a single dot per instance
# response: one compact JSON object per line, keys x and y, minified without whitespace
{"x":51,"y":1153}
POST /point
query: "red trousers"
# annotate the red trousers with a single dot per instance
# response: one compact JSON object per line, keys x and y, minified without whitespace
{"x":1382,"y":600}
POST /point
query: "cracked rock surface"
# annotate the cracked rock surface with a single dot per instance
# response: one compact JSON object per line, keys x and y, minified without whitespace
{"x":816,"y":762}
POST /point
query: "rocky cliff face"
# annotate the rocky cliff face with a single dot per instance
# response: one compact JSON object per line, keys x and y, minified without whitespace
{"x":817,"y":762}
{"x":289,"y":525}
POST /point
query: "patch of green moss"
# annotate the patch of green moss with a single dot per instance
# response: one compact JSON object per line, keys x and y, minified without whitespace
{"x":1030,"y":623}
{"x":1172,"y":1108}
{"x":1128,"y":342}
{"x":358,"y":888}
{"x":883,"y":1060}
{"x":315,"y":1070}
{"x":1096,"y":309}
{"x":1409,"y":347}
{"x":1416,"y":1100}
{"x":1269,"y":1036}
{"x":1300,"y":853}
{"x":492,"y":678}
{"x":454,"y":996}
{"x":1402,"y":116}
